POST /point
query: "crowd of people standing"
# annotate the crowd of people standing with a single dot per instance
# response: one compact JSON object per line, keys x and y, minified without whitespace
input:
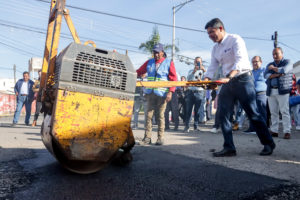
{"x":261,"y":94}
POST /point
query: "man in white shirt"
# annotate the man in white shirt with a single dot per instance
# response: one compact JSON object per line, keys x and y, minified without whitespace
{"x":230,"y":52}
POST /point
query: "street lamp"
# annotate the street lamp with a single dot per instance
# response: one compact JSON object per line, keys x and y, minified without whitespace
{"x":175,"y":9}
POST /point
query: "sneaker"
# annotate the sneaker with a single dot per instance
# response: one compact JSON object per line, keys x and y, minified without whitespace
{"x":186,"y":130}
{"x":146,"y":140}
{"x":159,"y":141}
{"x":214,"y":130}
{"x":298,"y":128}
{"x":268,"y":149}
{"x":13,"y":124}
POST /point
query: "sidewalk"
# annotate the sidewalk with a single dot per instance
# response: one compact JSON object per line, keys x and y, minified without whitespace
{"x":6,"y":121}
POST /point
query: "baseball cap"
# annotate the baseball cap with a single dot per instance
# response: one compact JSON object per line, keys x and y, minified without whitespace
{"x":158,"y":47}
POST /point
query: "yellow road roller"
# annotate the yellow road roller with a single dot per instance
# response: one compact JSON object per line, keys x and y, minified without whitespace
{"x":87,"y":95}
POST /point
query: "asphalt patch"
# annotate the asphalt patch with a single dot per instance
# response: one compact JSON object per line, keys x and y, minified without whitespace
{"x":12,"y":179}
{"x":154,"y":174}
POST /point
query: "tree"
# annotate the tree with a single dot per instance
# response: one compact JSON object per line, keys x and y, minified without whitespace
{"x":153,"y":40}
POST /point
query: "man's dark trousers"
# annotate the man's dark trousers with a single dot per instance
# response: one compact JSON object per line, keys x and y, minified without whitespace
{"x":261,"y":101}
{"x":241,"y":88}
{"x":174,"y":108}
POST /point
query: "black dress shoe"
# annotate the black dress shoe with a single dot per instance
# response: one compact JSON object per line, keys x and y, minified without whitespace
{"x":268,"y":150}
{"x":225,"y":153}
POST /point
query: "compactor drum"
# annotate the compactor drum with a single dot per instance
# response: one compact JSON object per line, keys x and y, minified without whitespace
{"x":89,"y":125}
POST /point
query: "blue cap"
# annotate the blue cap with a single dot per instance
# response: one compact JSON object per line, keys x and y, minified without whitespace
{"x":158,"y":47}
{"x":298,"y":82}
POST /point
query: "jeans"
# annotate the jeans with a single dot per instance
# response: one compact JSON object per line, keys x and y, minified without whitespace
{"x":240,"y":114}
{"x":261,"y":101}
{"x":241,"y":88}
{"x":173,"y":107}
{"x":181,"y":105}
{"x":21,"y":101}
{"x":193,"y":98}
{"x":208,"y":109}
{"x":202,"y":111}
{"x":38,"y":107}
{"x":295,"y":113}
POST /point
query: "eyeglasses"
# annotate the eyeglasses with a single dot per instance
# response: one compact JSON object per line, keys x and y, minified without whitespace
{"x":255,"y":61}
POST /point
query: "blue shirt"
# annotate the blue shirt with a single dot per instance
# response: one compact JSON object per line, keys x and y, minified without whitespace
{"x":259,"y":79}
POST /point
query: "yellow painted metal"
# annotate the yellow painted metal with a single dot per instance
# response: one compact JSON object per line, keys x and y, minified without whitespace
{"x":90,"y":42}
{"x":48,"y":43}
{"x":157,"y":84}
{"x":89,"y":127}
{"x":71,"y":26}
{"x":57,"y":27}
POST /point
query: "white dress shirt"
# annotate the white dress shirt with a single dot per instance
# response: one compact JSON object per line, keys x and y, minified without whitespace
{"x":231,"y":54}
{"x":24,"y":88}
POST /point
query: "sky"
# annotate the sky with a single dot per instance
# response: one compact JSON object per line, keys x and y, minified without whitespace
{"x":23,"y":25}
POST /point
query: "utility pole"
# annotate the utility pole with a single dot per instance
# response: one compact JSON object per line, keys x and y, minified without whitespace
{"x":175,"y":9}
{"x":173,"y":38}
{"x":274,"y":37}
{"x":15,"y":72}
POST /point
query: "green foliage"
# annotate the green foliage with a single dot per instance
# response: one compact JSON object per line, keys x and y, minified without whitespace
{"x":153,"y":40}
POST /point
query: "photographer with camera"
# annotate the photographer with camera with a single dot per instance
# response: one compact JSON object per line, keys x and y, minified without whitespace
{"x":194,"y":95}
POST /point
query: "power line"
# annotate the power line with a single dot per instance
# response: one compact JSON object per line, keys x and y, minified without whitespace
{"x":156,"y":23}
{"x":63,"y":35}
{"x":289,"y":47}
{"x":19,"y":43}
{"x":129,"y":18}
{"x":35,"y":13}
{"x":21,"y":51}
{"x":146,"y":21}
{"x":290,"y":35}
{"x":6,"y":68}
{"x":255,"y":38}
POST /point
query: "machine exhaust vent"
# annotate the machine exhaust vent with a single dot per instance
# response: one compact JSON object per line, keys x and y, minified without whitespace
{"x":99,"y":71}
